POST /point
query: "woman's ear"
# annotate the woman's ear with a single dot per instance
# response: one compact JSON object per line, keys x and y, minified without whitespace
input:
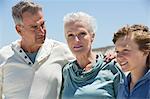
{"x":93,"y":36}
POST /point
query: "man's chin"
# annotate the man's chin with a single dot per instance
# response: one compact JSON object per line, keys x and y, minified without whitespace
{"x":39,"y":43}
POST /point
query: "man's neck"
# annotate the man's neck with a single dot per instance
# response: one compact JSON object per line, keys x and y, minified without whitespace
{"x":30,"y":48}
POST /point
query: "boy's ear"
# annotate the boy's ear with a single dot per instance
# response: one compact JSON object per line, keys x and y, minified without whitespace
{"x":146,"y":53}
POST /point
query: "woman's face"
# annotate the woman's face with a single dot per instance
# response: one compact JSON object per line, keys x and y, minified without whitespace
{"x":129,"y":56}
{"x":78,"y":37}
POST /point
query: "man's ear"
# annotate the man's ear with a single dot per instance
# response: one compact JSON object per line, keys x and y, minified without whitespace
{"x":18,"y":28}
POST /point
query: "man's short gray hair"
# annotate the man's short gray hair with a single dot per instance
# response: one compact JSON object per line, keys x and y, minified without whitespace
{"x":81,"y":17}
{"x":23,"y":6}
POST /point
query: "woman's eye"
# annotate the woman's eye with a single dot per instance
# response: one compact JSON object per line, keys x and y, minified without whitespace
{"x":83,"y":33}
{"x":70,"y":35}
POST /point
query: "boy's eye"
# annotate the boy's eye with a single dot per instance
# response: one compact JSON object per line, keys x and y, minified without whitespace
{"x":117,"y":51}
{"x":126,"y":51}
{"x":123,"y":52}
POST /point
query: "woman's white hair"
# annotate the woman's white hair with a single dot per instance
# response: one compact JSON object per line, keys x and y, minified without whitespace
{"x":81,"y":17}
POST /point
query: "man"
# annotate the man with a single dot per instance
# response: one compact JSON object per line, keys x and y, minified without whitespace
{"x":30,"y":68}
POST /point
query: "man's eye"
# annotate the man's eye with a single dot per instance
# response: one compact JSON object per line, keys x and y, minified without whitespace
{"x":42,"y":25}
{"x":34,"y":27}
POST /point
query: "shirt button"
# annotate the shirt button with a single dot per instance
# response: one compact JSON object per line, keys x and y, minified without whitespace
{"x":20,"y":51}
{"x":25,"y":57}
{"x":29,"y":63}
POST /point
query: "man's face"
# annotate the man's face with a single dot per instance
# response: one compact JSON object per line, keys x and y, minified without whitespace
{"x":33,"y":31}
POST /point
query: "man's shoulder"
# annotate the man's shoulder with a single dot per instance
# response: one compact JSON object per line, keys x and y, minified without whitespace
{"x":5,"y":49}
{"x":5,"y":53}
{"x":59,"y":49}
{"x":58,"y":43}
{"x":58,"y":46}
{"x":55,"y":43}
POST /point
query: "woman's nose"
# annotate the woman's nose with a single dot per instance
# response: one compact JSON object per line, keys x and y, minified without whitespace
{"x":76,"y":38}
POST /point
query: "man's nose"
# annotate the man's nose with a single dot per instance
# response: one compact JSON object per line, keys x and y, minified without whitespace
{"x":41,"y":29}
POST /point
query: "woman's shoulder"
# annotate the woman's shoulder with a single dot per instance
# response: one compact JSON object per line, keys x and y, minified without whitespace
{"x":68,"y":66}
{"x":112,"y":66}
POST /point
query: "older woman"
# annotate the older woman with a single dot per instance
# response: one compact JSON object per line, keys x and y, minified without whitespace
{"x":132,"y":44}
{"x":87,"y":77}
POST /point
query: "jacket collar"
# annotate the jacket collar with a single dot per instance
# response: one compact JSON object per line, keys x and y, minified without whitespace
{"x":43,"y":52}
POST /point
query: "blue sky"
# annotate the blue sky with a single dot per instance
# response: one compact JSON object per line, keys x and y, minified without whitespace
{"x":110,"y":16}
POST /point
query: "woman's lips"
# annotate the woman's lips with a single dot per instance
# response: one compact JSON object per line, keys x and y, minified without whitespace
{"x":77,"y":47}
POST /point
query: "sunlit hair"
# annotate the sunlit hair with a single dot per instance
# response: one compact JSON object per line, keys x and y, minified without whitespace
{"x":141,"y":36}
{"x":83,"y":18}
{"x":24,"y":6}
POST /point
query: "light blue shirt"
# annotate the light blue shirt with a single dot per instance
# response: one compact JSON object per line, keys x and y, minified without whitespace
{"x":99,"y":83}
{"x":32,"y":56}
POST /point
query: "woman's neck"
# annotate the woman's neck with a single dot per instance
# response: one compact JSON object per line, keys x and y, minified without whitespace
{"x":86,"y":61}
